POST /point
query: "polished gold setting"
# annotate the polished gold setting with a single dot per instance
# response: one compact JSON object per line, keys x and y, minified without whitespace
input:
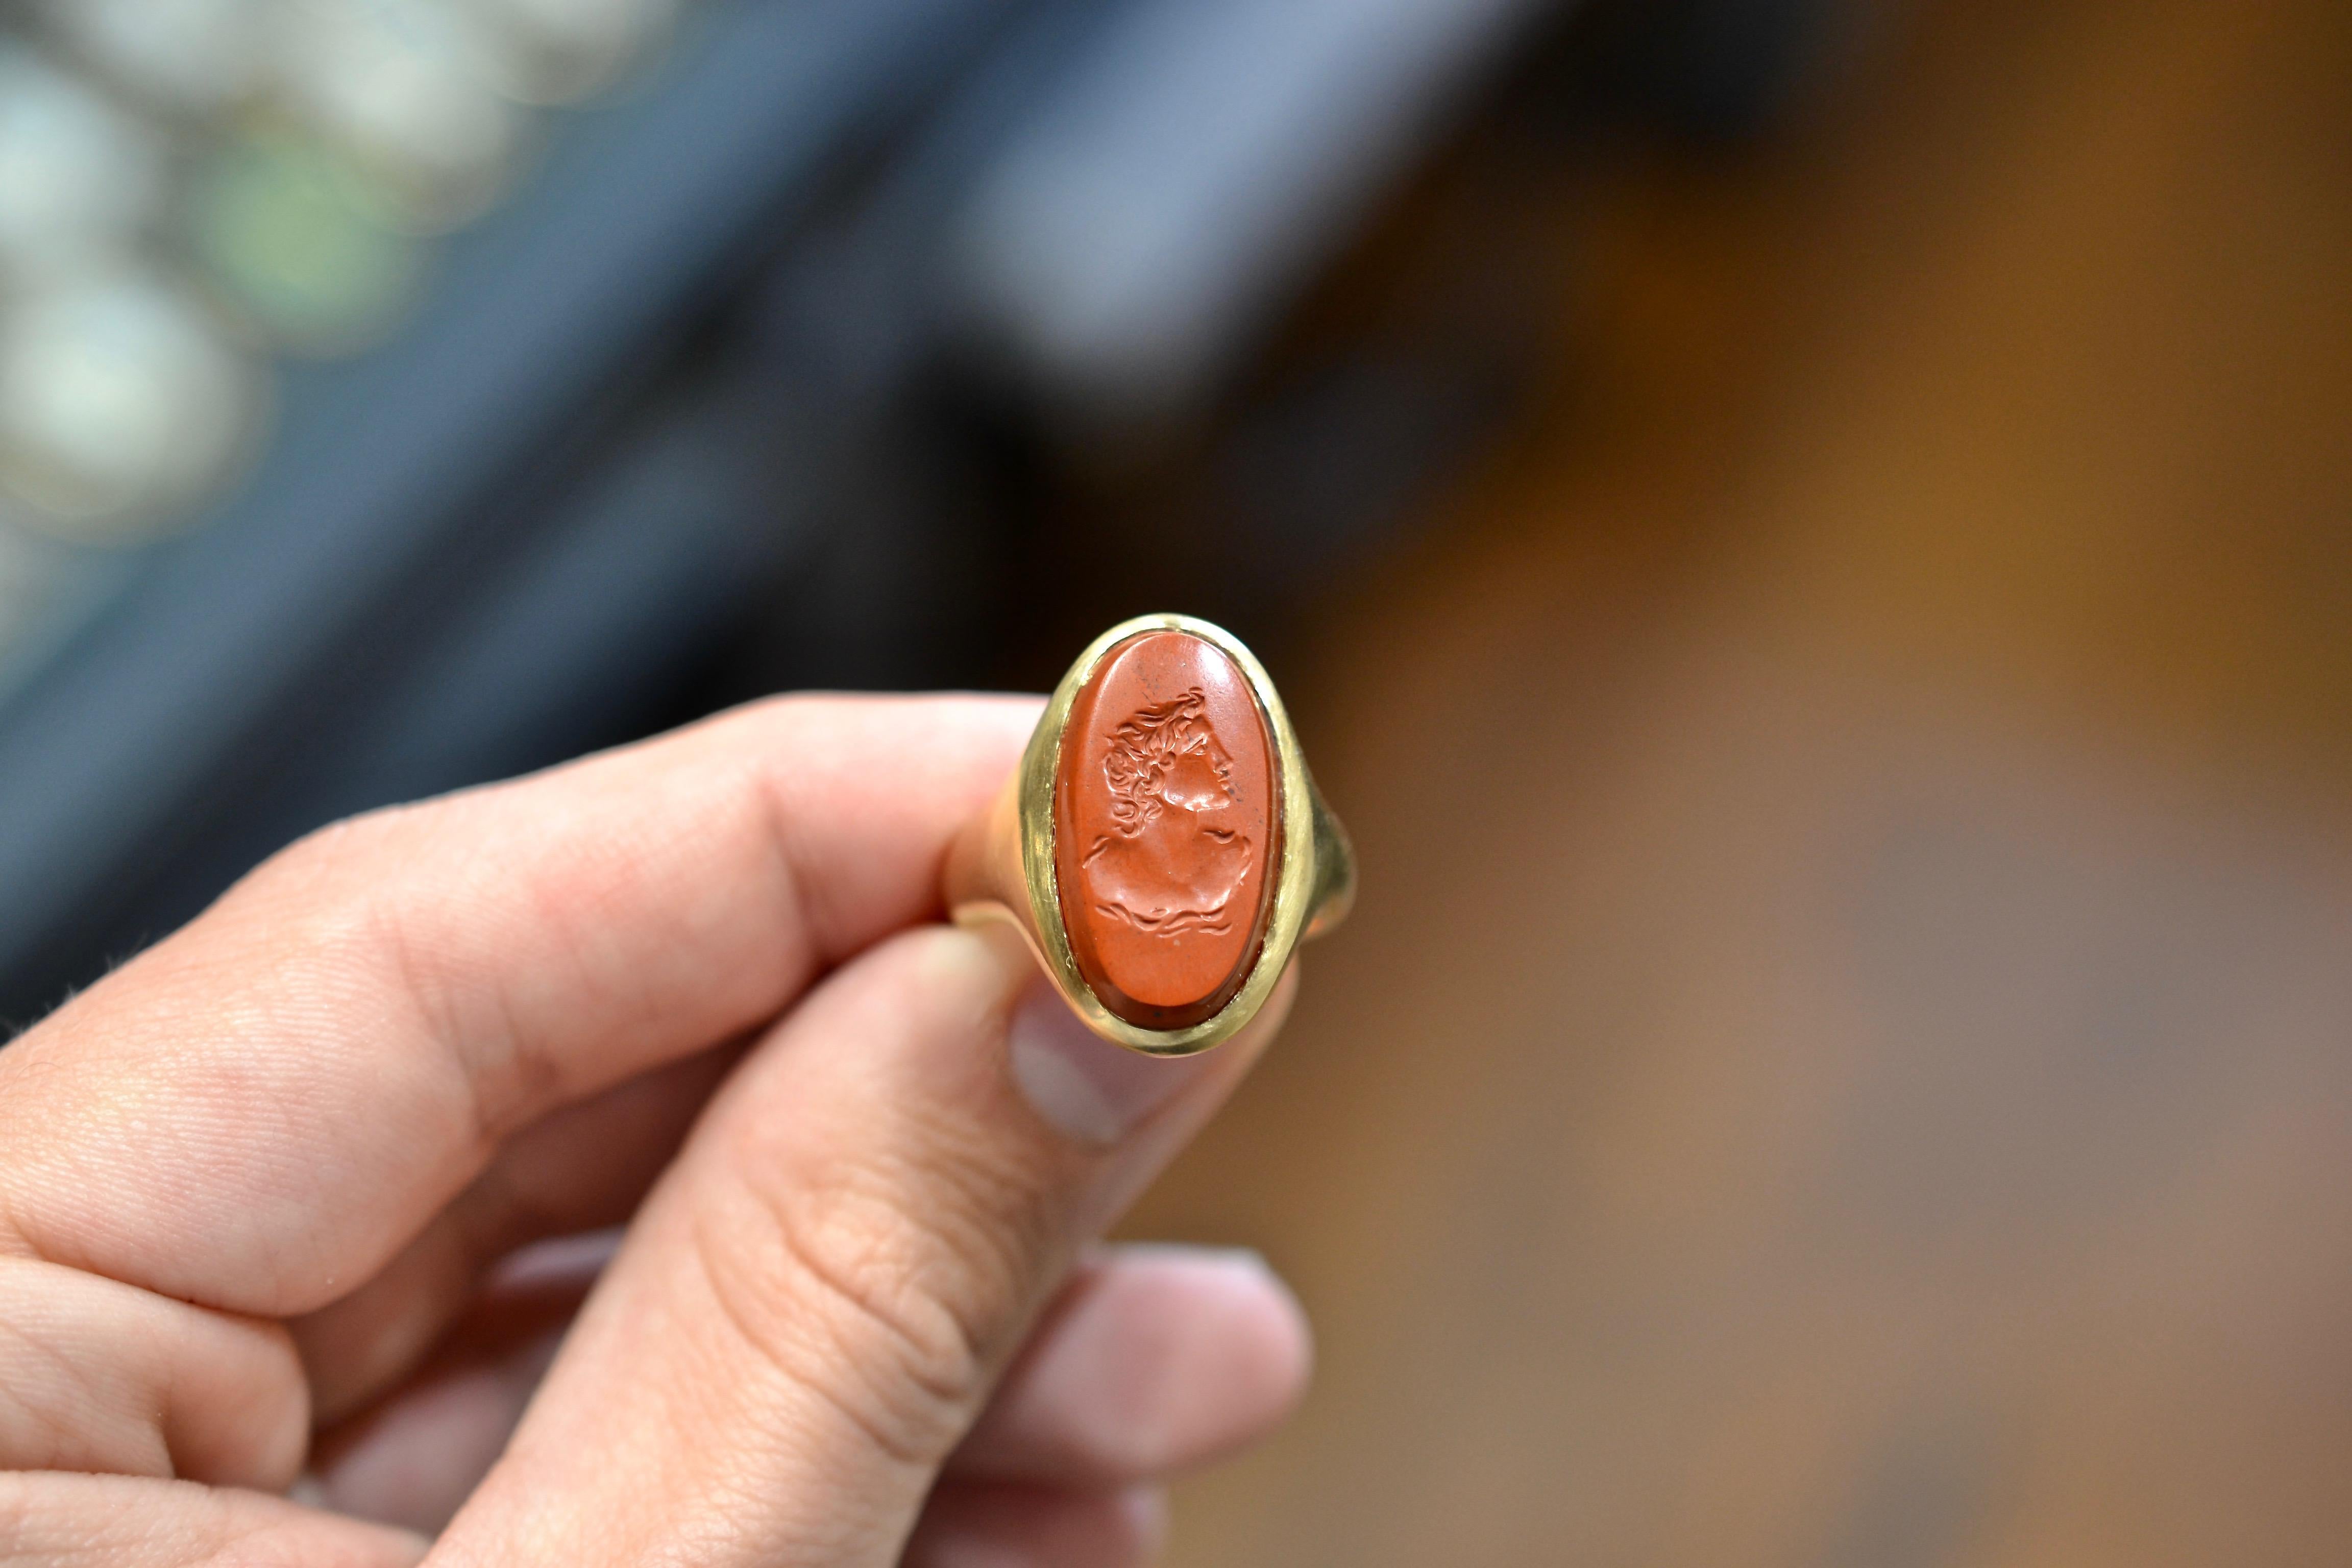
{"x":1000,"y":869}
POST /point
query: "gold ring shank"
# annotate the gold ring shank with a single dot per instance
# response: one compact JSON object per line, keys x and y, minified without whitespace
{"x":1001,"y":869}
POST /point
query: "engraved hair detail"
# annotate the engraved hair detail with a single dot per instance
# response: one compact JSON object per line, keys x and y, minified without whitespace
{"x":1143,"y":748}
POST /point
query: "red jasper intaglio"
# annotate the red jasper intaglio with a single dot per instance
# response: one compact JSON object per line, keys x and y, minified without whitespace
{"x":1167,"y":829}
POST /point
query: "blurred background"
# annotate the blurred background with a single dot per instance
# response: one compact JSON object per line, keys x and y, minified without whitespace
{"x":1811,"y":542}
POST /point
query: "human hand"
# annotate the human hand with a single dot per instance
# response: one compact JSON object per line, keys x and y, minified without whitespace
{"x":252,"y":1186}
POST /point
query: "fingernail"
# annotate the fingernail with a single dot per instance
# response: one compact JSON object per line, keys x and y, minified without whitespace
{"x":1083,"y":1084}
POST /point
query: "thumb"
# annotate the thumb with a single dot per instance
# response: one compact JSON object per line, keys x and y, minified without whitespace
{"x":816,"y":1302}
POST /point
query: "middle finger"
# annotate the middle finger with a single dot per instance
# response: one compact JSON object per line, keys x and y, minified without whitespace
{"x":581,"y":1168}
{"x":101,"y":1376}
{"x":1152,"y":1361}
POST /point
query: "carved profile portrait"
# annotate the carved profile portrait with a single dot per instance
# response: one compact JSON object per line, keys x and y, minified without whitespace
{"x":1168,"y":864}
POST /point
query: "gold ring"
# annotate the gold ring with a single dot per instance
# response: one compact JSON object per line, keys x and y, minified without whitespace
{"x":1161,"y":847}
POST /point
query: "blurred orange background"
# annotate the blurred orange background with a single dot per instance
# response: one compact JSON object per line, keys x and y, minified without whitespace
{"x":1841,"y":1058}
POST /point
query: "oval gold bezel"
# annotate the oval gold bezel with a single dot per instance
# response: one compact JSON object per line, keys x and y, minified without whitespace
{"x":1294,"y":887}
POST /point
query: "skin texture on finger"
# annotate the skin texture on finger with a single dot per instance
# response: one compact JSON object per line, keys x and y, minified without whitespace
{"x":413,"y":1458}
{"x":101,"y":1376}
{"x":583,"y":1167}
{"x":415,"y":1462}
{"x":51,"y":1521}
{"x":817,"y":1299}
{"x":981,"y":1525}
{"x":1151,"y":1361}
{"x":1154,"y":1360}
{"x":259,"y":1112}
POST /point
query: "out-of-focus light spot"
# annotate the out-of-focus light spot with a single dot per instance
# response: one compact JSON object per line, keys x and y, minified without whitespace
{"x":558,"y":51}
{"x":304,"y":243}
{"x":405,"y":85}
{"x":198,"y":56}
{"x":295,"y":155}
{"x":120,"y":402}
{"x":75,"y":171}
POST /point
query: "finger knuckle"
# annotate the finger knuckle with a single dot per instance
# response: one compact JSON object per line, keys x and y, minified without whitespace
{"x":893,"y":1312}
{"x":362,"y":907}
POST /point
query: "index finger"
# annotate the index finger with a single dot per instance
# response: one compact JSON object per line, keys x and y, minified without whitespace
{"x":257,"y":1112}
